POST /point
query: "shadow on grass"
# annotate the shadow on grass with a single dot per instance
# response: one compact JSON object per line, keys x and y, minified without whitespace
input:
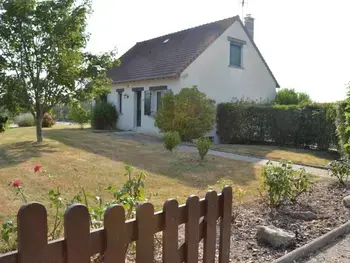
{"x":14,"y":153}
{"x":152,"y":157}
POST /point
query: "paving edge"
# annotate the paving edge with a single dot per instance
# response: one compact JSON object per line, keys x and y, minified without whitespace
{"x":314,"y":245}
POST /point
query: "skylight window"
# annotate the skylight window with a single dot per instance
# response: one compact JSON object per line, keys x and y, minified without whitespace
{"x":166,"y":40}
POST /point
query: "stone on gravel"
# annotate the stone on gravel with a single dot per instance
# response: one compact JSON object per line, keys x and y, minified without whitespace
{"x":306,"y":216}
{"x":346,"y":201}
{"x":276,"y":237}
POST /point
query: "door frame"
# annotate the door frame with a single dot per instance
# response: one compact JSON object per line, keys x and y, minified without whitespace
{"x":138,"y":106}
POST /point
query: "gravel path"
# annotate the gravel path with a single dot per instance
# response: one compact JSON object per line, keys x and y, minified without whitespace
{"x":143,"y":138}
{"x":311,"y":170}
{"x":339,"y":252}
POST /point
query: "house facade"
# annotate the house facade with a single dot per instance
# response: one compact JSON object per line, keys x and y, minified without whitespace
{"x":219,"y":58}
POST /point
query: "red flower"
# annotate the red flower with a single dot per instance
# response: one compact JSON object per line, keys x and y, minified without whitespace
{"x":16,"y":183}
{"x":37,"y":168}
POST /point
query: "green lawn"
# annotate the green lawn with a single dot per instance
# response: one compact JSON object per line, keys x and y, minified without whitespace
{"x":81,"y":158}
{"x":300,"y":156}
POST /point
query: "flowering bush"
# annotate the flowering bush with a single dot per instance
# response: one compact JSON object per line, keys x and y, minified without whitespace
{"x":48,"y":121}
{"x":129,"y":195}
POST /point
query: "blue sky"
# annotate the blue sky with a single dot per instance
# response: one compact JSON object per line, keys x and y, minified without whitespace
{"x":305,"y":42}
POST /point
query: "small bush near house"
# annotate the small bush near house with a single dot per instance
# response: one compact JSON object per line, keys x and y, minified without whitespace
{"x":25,"y":120}
{"x":340,"y":169}
{"x":190,"y":113}
{"x":171,"y":140}
{"x":104,"y":116}
{"x":3,"y":123}
{"x":283,"y":183}
{"x":80,"y":114}
{"x":48,"y":121}
{"x":203,"y":145}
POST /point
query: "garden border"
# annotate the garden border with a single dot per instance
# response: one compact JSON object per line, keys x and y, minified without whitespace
{"x":314,"y":245}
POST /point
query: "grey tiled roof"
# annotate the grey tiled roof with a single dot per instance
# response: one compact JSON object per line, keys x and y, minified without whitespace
{"x":155,"y":59}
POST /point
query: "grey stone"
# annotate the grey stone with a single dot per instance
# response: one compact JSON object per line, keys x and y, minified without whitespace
{"x":276,"y":237}
{"x":346,"y":201}
{"x":306,"y":216}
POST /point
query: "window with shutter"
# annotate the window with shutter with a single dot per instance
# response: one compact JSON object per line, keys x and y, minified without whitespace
{"x":147,"y":102}
{"x":235,"y":55}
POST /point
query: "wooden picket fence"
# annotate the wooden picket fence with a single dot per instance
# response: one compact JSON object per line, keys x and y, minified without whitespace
{"x":79,"y":244}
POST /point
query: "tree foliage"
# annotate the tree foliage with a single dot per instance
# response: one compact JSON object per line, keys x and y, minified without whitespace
{"x":190,"y":113}
{"x":291,"y":97}
{"x":43,"y":61}
{"x":80,"y":113}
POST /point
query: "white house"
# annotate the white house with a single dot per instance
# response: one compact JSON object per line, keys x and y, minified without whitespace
{"x":220,"y":58}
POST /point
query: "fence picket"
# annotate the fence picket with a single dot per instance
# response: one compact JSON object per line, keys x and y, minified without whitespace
{"x":145,"y":225}
{"x":192,"y":229}
{"x":225,"y":225}
{"x":114,"y":224}
{"x":170,"y":232}
{"x":32,"y":233}
{"x":199,"y":217}
{"x":77,"y":234}
{"x":210,"y":227}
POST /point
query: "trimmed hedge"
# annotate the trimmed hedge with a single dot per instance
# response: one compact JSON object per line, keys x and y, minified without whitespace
{"x":104,"y":116}
{"x":292,"y":125}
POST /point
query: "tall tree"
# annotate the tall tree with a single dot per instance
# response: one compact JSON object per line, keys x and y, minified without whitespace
{"x":43,"y":61}
{"x":291,"y":97}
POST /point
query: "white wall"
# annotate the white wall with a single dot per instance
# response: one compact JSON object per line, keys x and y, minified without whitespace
{"x":127,"y":119}
{"x":212,"y":74}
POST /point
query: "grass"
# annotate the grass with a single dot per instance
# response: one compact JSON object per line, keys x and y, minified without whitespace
{"x":301,"y":156}
{"x":81,"y":158}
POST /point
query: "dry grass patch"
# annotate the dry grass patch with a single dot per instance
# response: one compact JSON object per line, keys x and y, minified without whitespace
{"x":301,"y":156}
{"x":80,"y":158}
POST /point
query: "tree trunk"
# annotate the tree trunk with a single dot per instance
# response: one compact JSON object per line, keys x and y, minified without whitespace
{"x":39,"y":129}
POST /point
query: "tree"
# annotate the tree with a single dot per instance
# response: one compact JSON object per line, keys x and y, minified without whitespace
{"x":43,"y":61}
{"x":304,"y":98}
{"x":80,"y":114}
{"x":286,"y":97}
{"x":291,"y":97}
{"x":190,"y":113}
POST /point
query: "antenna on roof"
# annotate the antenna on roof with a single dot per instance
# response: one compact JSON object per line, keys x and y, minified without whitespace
{"x":243,"y":3}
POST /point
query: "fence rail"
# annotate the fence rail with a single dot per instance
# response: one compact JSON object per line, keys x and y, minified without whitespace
{"x":79,"y":244}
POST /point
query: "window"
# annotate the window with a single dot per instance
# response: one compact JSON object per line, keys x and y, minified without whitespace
{"x":159,"y":99}
{"x":120,"y":97}
{"x":147,"y":110}
{"x":235,"y":55}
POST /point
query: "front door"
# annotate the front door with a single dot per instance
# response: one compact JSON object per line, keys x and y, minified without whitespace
{"x":138,"y":108}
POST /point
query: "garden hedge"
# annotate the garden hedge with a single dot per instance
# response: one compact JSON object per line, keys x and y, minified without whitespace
{"x":292,"y":125}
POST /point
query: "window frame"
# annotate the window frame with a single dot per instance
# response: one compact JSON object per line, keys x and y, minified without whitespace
{"x":240,"y":46}
{"x":239,"y":43}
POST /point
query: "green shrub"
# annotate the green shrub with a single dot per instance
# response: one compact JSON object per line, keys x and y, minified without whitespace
{"x":340,"y":169}
{"x":283,"y":183}
{"x":80,"y":114}
{"x":292,"y":125}
{"x":48,"y":121}
{"x":203,"y":145}
{"x":190,"y":113}
{"x":25,"y":120}
{"x":3,"y":123}
{"x":104,"y":116}
{"x":171,"y":140}
{"x":291,"y":97}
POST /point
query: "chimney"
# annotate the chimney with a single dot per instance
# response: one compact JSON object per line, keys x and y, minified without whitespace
{"x":249,"y":25}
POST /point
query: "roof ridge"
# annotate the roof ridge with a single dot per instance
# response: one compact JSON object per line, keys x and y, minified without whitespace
{"x":190,"y":28}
